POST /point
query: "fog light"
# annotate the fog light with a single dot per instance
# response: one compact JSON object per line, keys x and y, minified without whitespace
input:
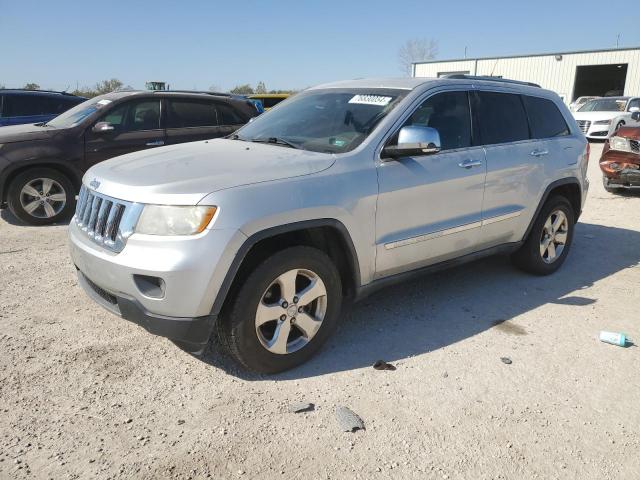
{"x":149,"y":286}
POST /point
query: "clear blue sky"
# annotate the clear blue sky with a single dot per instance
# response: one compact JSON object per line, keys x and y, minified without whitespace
{"x":286,"y":44}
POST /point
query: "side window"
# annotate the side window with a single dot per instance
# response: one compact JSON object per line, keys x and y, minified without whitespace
{"x":144,"y":116}
{"x":634,"y":103}
{"x":228,"y":115}
{"x":185,"y":113}
{"x":499,"y":118}
{"x":134,"y":116}
{"x":544,"y":117}
{"x":23,"y":105}
{"x":447,"y":112}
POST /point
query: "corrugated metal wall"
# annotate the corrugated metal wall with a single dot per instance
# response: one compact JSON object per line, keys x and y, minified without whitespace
{"x":556,"y":75}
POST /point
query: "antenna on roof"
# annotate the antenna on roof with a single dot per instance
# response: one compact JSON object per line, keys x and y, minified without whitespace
{"x":494,"y":67}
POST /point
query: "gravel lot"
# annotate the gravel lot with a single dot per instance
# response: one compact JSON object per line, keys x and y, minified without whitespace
{"x":84,"y":394}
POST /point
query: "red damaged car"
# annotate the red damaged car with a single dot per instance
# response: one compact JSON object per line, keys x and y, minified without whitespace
{"x":620,"y":161}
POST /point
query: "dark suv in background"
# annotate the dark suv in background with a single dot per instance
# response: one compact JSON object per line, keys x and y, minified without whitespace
{"x":18,"y":107}
{"x":41,"y":165}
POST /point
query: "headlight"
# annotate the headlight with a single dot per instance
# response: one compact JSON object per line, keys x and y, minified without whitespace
{"x":174,"y":220}
{"x":602,"y":122}
{"x":619,"y":143}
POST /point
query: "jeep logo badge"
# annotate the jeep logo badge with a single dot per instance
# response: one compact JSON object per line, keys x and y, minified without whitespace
{"x":94,"y":184}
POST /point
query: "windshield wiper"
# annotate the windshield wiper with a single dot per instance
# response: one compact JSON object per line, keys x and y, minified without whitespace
{"x":276,"y":141}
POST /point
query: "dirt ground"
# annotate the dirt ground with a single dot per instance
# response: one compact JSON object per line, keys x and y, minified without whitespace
{"x":84,"y":394}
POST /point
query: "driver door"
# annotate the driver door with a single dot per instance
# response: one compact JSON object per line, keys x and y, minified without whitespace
{"x":430,"y":206}
{"x":136,"y":126}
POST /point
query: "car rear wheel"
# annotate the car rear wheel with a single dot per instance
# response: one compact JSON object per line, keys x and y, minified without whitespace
{"x":41,"y":196}
{"x":284,"y":311}
{"x":549,"y":241}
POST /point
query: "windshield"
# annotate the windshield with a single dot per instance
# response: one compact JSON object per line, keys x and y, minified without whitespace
{"x":330,"y":121}
{"x":604,"y":105}
{"x":78,"y":113}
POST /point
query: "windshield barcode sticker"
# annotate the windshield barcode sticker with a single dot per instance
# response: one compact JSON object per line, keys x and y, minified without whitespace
{"x":371,"y":100}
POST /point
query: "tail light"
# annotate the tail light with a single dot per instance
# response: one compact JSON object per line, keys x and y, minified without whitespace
{"x":587,"y":153}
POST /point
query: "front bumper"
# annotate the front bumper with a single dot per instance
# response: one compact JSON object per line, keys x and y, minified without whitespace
{"x":191,"y":334}
{"x":191,"y":270}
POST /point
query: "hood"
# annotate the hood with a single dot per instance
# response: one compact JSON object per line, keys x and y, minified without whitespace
{"x":184,"y":174}
{"x":20,"y":133}
{"x":632,"y":133}
{"x":592,"y":116}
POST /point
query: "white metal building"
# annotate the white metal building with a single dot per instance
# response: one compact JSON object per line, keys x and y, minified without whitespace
{"x":570,"y":74}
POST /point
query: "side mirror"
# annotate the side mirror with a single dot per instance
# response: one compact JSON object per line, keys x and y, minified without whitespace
{"x":414,"y":141}
{"x":636,"y":116}
{"x":102,"y":127}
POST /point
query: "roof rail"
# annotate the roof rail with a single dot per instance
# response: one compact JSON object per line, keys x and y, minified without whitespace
{"x":39,"y":90}
{"x":204,"y":92}
{"x":458,"y":76}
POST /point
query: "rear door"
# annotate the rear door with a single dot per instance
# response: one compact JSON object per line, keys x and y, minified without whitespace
{"x":515,"y":164}
{"x":136,"y":126}
{"x":190,"y":119}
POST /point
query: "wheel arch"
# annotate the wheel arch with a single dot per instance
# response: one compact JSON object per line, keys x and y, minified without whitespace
{"x":327,"y":234}
{"x":66,"y":170}
{"x":567,"y":187}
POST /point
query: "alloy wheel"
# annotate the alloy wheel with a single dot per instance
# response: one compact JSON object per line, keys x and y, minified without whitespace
{"x":554,"y":236}
{"x":291,"y":311}
{"x":43,"y":198}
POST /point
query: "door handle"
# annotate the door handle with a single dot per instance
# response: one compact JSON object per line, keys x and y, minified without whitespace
{"x":155,"y":143}
{"x":539,"y":153}
{"x":469,"y":163}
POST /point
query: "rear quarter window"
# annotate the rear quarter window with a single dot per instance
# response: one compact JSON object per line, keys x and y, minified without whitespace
{"x":545,"y":118}
{"x":499,"y":118}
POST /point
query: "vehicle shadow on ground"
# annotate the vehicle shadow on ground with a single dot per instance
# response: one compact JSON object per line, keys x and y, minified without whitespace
{"x":11,"y":219}
{"x":444,"y":308}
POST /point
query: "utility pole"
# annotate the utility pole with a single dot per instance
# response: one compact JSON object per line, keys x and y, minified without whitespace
{"x":618,"y":40}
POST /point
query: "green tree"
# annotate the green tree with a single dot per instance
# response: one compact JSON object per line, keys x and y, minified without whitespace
{"x":32,"y":86}
{"x":100,"y":88}
{"x":245,"y":89}
{"x":260,"y":88}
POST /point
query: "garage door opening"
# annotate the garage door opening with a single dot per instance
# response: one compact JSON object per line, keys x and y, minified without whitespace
{"x":600,"y":80}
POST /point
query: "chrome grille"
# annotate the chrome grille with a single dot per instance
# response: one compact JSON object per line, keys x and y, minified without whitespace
{"x":584,"y":125}
{"x":107,"y":221}
{"x":635,"y":146}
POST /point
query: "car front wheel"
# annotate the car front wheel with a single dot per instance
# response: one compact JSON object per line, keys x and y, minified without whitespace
{"x":41,"y":196}
{"x":284,"y":311}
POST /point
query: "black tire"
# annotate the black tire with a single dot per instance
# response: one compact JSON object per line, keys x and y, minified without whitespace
{"x":607,"y":187}
{"x":237,"y":329}
{"x":529,"y":257}
{"x":61,"y":186}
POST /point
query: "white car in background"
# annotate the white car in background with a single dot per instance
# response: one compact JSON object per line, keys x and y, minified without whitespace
{"x":579,"y":102}
{"x":602,"y":117}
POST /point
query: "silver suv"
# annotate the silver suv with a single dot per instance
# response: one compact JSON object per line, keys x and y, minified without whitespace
{"x":337,"y":191}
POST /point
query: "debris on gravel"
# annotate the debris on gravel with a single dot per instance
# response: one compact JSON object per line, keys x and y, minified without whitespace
{"x":506,"y":360}
{"x":301,"y":407}
{"x":382,"y":365}
{"x":348,"y":420}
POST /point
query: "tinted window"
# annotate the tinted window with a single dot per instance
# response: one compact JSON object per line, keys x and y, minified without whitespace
{"x":634,"y":103}
{"x":134,"y":116}
{"x":449,"y":114}
{"x":270,"y":102}
{"x":184,"y":113}
{"x":545,"y":119}
{"x":25,"y":105}
{"x":228,"y":115}
{"x":499,"y":118}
